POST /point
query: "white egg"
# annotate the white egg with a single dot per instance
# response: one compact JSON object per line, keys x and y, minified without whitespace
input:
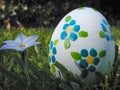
{"x":82,"y":42}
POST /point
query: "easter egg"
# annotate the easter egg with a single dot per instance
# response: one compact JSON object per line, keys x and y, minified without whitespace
{"x":82,"y":42}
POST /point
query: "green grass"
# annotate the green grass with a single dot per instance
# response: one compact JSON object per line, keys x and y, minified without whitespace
{"x":116,"y":33}
{"x":12,"y":76}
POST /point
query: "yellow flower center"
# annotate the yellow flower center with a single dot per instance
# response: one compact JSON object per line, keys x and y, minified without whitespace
{"x":22,"y":45}
{"x":108,"y":31}
{"x":69,"y":30}
{"x":50,"y":53}
{"x":89,"y":59}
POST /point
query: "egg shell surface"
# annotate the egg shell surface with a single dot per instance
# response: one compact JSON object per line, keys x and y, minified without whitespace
{"x":82,"y":42}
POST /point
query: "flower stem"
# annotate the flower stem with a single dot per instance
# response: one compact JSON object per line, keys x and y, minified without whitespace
{"x":25,"y":68}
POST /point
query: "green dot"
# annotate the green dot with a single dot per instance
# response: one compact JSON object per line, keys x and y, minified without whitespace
{"x":102,"y":53}
{"x":83,"y":34}
{"x":76,"y":56}
{"x":81,"y":8}
{"x":68,"y":18}
{"x":102,"y":34}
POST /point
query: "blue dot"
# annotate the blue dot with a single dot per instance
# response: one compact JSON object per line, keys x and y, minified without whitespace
{"x":54,"y":50}
{"x":73,"y":36}
{"x":53,"y":59}
{"x":96,"y":60}
{"x":111,"y":37}
{"x":84,"y":52}
{"x":83,"y":63}
{"x":110,"y":28}
{"x":63,"y":35}
{"x":65,"y":26}
{"x":49,"y":58}
{"x":105,"y":22}
{"x":91,"y":68}
{"x":72,"y":22}
{"x":107,"y":37}
{"x":93,"y":52}
{"x":51,"y":44}
{"x":76,"y":28}
{"x":103,"y":28}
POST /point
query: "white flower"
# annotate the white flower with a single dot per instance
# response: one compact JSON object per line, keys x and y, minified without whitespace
{"x":20,"y":43}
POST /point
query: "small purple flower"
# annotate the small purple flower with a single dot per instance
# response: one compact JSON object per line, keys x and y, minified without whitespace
{"x":20,"y":43}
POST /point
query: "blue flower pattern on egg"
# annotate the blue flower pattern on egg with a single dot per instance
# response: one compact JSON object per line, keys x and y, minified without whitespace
{"x":89,"y":59}
{"x":52,"y":52}
{"x":70,"y":31}
{"x":107,"y":30}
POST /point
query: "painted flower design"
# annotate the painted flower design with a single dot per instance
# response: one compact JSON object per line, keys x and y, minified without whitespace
{"x":106,"y":31}
{"x":52,"y":52}
{"x":88,"y":59}
{"x":20,"y":43}
{"x":71,"y":31}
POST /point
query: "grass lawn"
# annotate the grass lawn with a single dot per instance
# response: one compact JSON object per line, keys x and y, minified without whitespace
{"x":12,"y":75}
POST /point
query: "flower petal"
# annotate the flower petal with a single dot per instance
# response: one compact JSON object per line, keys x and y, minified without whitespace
{"x":110,"y":28}
{"x":103,"y":27}
{"x":111,"y":37}
{"x":72,"y":22}
{"x":63,"y":35}
{"x":107,"y":37}
{"x":53,"y":59}
{"x":51,"y":44}
{"x":83,"y":63}
{"x":31,"y":44}
{"x":96,"y":60}
{"x":30,"y":39}
{"x":91,"y":68}
{"x":10,"y":42}
{"x":73,"y":36}
{"x":10,"y":47}
{"x":76,"y":28}
{"x":54,"y":51}
{"x":20,"y":38}
{"x":22,"y":49}
{"x":65,"y":26}
{"x":49,"y":58}
{"x":105,"y":22}
{"x":84,"y":52}
{"x":93,"y":52}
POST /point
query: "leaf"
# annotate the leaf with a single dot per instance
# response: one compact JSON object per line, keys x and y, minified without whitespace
{"x":83,"y":34}
{"x":56,"y":42}
{"x":102,"y":53}
{"x":60,"y":66}
{"x":67,"y":43}
{"x":37,"y":50}
{"x":76,"y":56}
{"x":52,"y":68}
{"x":81,"y":8}
{"x":102,"y":34}
{"x":68,"y":18}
